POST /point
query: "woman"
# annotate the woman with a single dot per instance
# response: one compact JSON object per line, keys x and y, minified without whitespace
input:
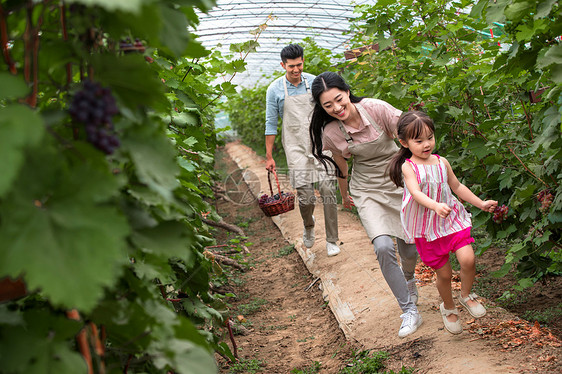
{"x":364,"y":128}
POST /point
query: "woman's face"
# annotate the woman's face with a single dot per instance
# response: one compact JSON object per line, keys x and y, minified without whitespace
{"x":336,"y":103}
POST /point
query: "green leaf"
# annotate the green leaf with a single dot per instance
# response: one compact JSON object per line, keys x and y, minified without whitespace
{"x":40,"y":345}
{"x":505,"y":179}
{"x":524,"y":283}
{"x":13,"y":87}
{"x":480,"y":148}
{"x":455,"y":112}
{"x":184,"y":119}
{"x":56,"y":227}
{"x":518,"y":9}
{"x":543,"y":8}
{"x":131,"y":79}
{"x":180,"y":351}
{"x":20,"y":128}
{"x":555,"y":217}
{"x":476,"y":10}
{"x":174,"y":34}
{"x":495,"y":11}
{"x":126,"y":5}
{"x":553,"y":55}
{"x":171,"y":239}
{"x":154,"y":159}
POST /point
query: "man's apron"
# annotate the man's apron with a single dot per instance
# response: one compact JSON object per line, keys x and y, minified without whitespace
{"x":303,"y":167}
{"x":376,"y":197}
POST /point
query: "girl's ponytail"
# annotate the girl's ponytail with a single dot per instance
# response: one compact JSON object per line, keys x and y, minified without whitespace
{"x":394,"y":169}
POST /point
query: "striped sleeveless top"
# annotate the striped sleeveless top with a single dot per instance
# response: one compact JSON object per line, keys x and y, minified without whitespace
{"x":420,"y":222}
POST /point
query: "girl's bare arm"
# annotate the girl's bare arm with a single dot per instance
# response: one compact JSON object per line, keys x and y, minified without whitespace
{"x":465,"y":193}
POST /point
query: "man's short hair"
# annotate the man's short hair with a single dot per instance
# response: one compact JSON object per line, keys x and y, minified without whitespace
{"x":291,"y":51}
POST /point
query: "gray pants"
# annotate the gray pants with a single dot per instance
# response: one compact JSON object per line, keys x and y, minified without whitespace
{"x":395,"y":275}
{"x":307,"y":200}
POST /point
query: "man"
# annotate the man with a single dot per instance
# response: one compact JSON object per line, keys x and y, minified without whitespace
{"x":289,"y":97}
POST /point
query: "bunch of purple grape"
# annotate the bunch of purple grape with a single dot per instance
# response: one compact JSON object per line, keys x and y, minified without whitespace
{"x":94,"y":106}
{"x":265,"y":199}
{"x":500,"y":214}
{"x":545,"y":197}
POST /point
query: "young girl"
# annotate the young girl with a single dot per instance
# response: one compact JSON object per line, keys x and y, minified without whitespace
{"x":432,"y":217}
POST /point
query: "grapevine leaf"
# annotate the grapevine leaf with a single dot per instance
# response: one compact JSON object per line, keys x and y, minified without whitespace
{"x":480,"y":148}
{"x":20,"y":127}
{"x":171,"y":239}
{"x":131,"y":79}
{"x":184,"y":119}
{"x":524,"y":283}
{"x":476,"y":10}
{"x":57,"y":227}
{"x":126,"y":5}
{"x":543,"y":8}
{"x":8,"y":317}
{"x":505,"y":179}
{"x":184,"y":349}
{"x":495,"y":12}
{"x":12,"y":86}
{"x":150,"y":267}
{"x":46,"y":334}
{"x":553,"y":55}
{"x":174,"y":34}
{"x":154,"y":159}
{"x":555,"y":217}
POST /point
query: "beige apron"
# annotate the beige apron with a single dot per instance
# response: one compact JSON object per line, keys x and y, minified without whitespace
{"x":303,"y":167}
{"x":377,"y":199}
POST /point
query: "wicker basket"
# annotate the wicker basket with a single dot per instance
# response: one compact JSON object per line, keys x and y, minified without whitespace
{"x":283,"y":204}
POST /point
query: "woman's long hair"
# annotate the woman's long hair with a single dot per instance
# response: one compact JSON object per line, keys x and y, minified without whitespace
{"x":320,"y":118}
{"x":410,"y":126}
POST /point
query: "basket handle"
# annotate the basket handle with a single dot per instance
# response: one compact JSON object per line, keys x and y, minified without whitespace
{"x":276,"y":180}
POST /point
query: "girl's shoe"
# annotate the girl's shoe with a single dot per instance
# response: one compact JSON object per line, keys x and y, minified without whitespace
{"x":477,"y":310}
{"x":452,"y":327}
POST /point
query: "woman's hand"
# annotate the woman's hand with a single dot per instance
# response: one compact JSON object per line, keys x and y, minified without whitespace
{"x":442,"y":210}
{"x":347,"y":202}
{"x":489,"y":206}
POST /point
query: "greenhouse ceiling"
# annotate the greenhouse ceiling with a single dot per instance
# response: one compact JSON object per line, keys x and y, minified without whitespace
{"x":233,"y":21}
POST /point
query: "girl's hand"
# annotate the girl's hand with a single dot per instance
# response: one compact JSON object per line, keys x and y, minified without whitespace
{"x":489,"y":206}
{"x":442,"y":210}
{"x":347,"y":202}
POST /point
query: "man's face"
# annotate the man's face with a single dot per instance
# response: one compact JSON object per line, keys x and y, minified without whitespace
{"x":293,"y":67}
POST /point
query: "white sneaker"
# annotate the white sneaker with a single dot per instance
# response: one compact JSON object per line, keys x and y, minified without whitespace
{"x":332,"y":249}
{"x":410,"y":323}
{"x":308,"y":236}
{"x":413,"y":290}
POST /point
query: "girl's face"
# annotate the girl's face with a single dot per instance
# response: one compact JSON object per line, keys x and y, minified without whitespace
{"x":336,"y":103}
{"x":422,"y":146}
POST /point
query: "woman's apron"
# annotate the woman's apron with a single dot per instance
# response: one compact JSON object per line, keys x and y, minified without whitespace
{"x":376,"y":197}
{"x":303,"y":167}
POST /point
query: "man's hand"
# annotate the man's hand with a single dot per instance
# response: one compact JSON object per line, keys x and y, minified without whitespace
{"x":270,"y":164}
{"x":347,"y":202}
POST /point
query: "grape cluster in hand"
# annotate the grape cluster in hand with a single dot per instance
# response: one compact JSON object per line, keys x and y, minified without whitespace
{"x":545,"y":197}
{"x":265,"y":199}
{"x":500,"y":214}
{"x":94,"y":106}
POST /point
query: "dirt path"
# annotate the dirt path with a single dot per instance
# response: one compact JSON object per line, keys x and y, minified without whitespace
{"x":367,"y":312}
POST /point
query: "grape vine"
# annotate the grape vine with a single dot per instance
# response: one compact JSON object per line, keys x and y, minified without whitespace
{"x":110,"y":140}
